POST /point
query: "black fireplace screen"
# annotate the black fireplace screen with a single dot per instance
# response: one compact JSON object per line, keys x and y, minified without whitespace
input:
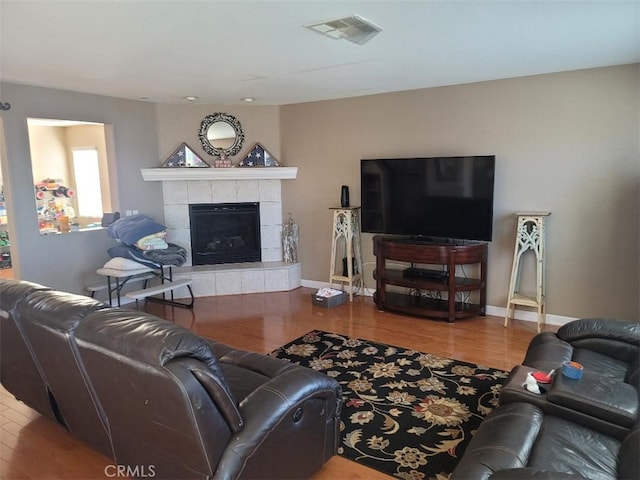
{"x":225,"y":233}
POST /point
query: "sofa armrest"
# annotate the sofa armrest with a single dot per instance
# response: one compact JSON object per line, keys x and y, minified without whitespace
{"x":547,"y":352}
{"x":529,"y":473}
{"x":295,"y":408}
{"x":598,"y":396}
{"x":504,"y":440}
{"x":256,"y":362}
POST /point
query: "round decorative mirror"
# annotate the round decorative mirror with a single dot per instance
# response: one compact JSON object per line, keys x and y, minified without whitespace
{"x":221,"y":135}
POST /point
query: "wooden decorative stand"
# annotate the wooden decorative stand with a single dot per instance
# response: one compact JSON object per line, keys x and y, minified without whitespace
{"x":346,"y":230}
{"x":444,"y":255}
{"x":530,"y":237}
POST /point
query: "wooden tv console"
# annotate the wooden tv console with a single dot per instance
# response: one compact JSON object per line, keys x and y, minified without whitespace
{"x":422,"y":254}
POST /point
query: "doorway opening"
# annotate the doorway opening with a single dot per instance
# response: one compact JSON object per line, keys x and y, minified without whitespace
{"x":6,"y":263}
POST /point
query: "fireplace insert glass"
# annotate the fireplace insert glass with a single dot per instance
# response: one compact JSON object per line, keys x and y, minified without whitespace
{"x":225,"y":233}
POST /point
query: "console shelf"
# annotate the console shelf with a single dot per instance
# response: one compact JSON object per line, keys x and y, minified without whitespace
{"x":447,"y":255}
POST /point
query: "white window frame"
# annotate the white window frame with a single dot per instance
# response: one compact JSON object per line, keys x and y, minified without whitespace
{"x":88,"y":182}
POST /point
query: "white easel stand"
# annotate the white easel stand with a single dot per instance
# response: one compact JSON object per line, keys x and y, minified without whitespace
{"x":530,"y":236}
{"x":346,"y":226}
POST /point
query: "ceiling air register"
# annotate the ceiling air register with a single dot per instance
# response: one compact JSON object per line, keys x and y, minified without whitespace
{"x":354,"y":28}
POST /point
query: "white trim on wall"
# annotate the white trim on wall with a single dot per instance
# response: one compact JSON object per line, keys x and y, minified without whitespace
{"x":256,"y":173}
{"x":529,"y":316}
{"x":491,"y":310}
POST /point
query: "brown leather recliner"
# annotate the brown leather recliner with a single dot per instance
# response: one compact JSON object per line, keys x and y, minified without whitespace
{"x":160,"y":400}
{"x":608,"y":392}
{"x":519,"y":441}
{"x":176,"y":407}
{"x":574,"y":428}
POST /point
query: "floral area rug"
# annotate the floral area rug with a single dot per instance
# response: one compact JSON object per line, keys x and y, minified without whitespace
{"x":406,"y":413}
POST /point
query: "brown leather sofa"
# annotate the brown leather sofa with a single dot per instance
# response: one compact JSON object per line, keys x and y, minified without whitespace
{"x":159,"y":399}
{"x":575,"y":428}
{"x":519,"y":441}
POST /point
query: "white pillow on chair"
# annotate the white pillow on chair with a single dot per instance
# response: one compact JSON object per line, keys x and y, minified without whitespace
{"x":121,"y":263}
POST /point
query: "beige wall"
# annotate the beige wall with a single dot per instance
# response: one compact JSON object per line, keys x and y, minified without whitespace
{"x":566,"y":143}
{"x":69,"y":262}
{"x":48,"y":153}
{"x":180,"y":123}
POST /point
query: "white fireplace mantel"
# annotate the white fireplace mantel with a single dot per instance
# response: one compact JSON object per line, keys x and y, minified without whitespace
{"x":254,"y":173}
{"x":183,"y":187}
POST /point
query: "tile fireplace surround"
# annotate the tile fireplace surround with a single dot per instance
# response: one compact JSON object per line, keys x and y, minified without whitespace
{"x":184,"y":186}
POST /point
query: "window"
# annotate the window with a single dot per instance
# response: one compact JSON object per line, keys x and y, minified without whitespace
{"x":86,"y":171}
{"x":69,"y":160}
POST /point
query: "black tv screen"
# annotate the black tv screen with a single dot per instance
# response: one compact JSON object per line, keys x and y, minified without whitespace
{"x":446,"y":197}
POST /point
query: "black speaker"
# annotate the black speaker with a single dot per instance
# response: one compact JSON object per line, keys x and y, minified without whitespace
{"x":345,"y":271}
{"x":344,"y":196}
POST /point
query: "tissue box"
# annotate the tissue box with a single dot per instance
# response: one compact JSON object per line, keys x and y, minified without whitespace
{"x":327,"y":302}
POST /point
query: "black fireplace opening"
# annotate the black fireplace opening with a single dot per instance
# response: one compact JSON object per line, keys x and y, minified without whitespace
{"x":225,"y":233}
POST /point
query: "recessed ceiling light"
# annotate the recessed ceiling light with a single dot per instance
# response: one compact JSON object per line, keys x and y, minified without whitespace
{"x":190,"y":98}
{"x":248,"y":99}
{"x":354,"y":28}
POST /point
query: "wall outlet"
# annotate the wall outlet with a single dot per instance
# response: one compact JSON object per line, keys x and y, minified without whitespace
{"x":128,"y":213}
{"x":134,"y":212}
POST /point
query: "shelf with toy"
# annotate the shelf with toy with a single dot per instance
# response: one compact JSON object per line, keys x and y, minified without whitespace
{"x":54,"y":206}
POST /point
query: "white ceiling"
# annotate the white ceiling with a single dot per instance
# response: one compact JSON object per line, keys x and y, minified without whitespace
{"x":222,"y":51}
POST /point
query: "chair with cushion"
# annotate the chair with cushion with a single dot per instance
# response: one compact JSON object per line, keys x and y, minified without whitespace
{"x":190,"y":408}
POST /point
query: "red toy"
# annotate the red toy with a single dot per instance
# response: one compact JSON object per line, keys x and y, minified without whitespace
{"x":54,"y":186}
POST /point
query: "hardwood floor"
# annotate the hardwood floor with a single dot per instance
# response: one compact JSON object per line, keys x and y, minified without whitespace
{"x":33,"y":447}
{"x":6,"y":273}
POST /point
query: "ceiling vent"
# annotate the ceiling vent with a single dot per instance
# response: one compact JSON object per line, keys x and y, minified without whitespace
{"x":354,"y":28}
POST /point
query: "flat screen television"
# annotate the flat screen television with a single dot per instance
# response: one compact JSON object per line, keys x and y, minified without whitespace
{"x":442,"y":197}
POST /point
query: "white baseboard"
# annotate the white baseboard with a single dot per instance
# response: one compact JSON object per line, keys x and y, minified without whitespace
{"x":314,"y":284}
{"x":527,"y":316}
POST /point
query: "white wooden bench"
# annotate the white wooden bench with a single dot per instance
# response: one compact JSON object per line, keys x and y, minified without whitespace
{"x":98,"y":287}
{"x":167,"y":286}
